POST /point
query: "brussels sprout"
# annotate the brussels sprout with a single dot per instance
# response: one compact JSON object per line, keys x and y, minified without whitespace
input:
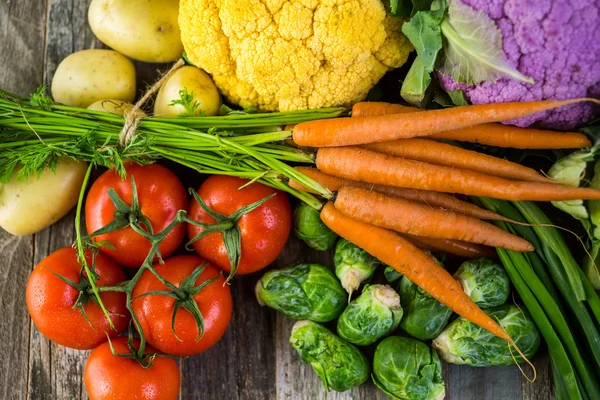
{"x":406,"y":369}
{"x":353,"y":265}
{"x":309,"y":228}
{"x":303,"y":291}
{"x":484,"y":281}
{"x":424,"y":316}
{"x":463,"y":342}
{"x":371,"y":316}
{"x":339,"y":364}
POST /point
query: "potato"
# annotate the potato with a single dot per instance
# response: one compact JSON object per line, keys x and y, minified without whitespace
{"x":197,"y":83}
{"x":117,"y":107}
{"x":87,"y":76}
{"x":29,"y":206}
{"x":146,"y":30}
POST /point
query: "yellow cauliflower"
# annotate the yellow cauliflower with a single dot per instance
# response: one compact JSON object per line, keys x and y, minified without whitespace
{"x":292,"y":54}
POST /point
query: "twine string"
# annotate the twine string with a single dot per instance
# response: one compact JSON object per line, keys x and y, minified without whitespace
{"x":133,"y":116}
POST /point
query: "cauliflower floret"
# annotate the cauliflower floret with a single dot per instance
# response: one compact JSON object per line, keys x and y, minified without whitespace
{"x":557,"y":43}
{"x":292,"y":54}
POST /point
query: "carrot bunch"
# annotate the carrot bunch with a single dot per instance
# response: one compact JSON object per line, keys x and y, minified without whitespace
{"x":393,"y":182}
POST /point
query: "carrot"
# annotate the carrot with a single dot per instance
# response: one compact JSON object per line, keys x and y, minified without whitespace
{"x":395,"y":251}
{"x":451,"y":156}
{"x":367,"y":166}
{"x":432,"y":199}
{"x":454,"y":247}
{"x":363,"y":130}
{"x":489,"y":134}
{"x":515,"y":137}
{"x":374,"y":108}
{"x":416,"y":219}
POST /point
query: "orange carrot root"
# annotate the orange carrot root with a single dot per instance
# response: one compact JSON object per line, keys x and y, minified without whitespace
{"x":363,"y":130}
{"x":453,"y":247}
{"x":367,"y":166}
{"x":416,"y":219}
{"x":432,"y":199}
{"x":491,"y":134}
{"x":517,"y":138}
{"x":437,"y":153}
{"x":373,"y":108}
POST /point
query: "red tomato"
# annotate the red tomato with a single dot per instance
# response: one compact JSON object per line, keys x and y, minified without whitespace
{"x":50,"y":301}
{"x":160,"y":195}
{"x":155,"y":311}
{"x":265,"y":230}
{"x":110,"y":377}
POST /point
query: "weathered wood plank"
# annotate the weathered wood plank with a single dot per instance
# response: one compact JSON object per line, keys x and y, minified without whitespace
{"x":497,"y":383}
{"x":543,"y":387}
{"x":21,"y":64}
{"x":241,"y":364}
{"x":57,"y":372}
{"x":15,"y":257}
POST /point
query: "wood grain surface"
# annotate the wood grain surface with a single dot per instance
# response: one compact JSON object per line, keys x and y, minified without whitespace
{"x":254,"y":359}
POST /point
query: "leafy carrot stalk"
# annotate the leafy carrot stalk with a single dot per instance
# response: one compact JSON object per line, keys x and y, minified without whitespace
{"x":405,"y":216}
{"x":395,"y":251}
{"x":438,"y":153}
{"x":367,"y":166}
{"x":363,"y":130}
{"x":432,"y":199}
{"x":374,"y":108}
{"x":454,"y":247}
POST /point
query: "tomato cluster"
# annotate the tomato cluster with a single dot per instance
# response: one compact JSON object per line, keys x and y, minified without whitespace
{"x":181,"y":304}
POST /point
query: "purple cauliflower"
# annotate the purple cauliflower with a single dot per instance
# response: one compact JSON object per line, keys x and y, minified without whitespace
{"x":555,"y":42}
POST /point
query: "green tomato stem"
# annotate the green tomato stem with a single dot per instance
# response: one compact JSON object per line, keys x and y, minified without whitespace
{"x":81,"y":250}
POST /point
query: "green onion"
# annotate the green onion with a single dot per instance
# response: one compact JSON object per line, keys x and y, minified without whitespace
{"x":540,"y":272}
{"x":552,"y":238}
{"x":543,"y":324}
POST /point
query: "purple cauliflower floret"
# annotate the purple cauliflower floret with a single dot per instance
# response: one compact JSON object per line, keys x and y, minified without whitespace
{"x":555,"y":42}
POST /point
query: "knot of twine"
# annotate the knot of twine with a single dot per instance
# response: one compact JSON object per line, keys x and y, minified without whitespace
{"x":135,"y":114}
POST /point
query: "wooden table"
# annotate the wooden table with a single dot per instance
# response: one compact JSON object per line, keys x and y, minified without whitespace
{"x":253,"y":360}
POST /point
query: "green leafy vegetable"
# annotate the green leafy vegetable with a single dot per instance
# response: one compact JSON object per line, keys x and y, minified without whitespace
{"x":303,"y":291}
{"x":309,"y":228}
{"x":450,"y":98}
{"x":353,"y":265}
{"x":415,"y":84}
{"x":401,"y":8}
{"x":406,"y":369}
{"x":458,"y":97}
{"x":463,"y":342}
{"x":423,"y":30}
{"x":571,"y":170}
{"x":484,"y":281}
{"x":591,"y":262}
{"x":373,"y":315}
{"x":473,"y":50}
{"x":408,"y":8}
{"x":189,"y":102}
{"x":339,"y":364}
